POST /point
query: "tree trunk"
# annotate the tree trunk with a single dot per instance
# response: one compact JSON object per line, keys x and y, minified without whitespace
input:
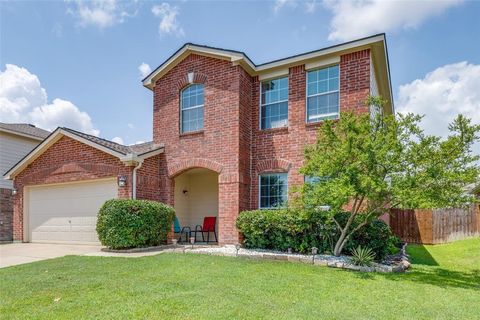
{"x":340,"y":243}
{"x":343,"y":238}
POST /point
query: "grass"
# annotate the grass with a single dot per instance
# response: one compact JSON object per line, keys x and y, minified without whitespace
{"x":444,"y":284}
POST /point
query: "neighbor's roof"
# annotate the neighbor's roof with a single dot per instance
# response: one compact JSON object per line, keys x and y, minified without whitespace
{"x":136,"y":152}
{"x":377,"y":44}
{"x":25,"y":130}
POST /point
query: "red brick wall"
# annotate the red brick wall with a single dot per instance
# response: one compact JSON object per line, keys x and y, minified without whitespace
{"x":355,"y":81}
{"x":231,"y":137}
{"x":219,"y":142}
{"x":148,"y":179}
{"x":6,"y":215}
{"x":66,"y":160}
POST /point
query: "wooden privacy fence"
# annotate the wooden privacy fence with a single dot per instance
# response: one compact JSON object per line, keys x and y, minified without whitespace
{"x":432,"y":226}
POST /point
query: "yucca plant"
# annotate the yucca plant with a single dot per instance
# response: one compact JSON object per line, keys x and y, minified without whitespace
{"x":362,"y":256}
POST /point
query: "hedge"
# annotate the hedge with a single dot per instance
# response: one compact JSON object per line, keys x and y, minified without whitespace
{"x":300,"y":231}
{"x":126,"y":223}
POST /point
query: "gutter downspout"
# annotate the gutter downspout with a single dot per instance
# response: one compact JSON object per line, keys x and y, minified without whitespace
{"x":134,"y":178}
{"x":129,"y":160}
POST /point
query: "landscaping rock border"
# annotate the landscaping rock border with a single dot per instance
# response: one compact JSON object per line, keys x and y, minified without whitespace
{"x":134,"y":250}
{"x":395,"y":263}
{"x":342,"y":262}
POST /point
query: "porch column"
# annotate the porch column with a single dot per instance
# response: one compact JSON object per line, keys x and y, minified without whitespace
{"x":228,"y":207}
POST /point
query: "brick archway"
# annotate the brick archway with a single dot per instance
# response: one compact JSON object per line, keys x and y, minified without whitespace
{"x":184,"y":165}
{"x":190,"y":78}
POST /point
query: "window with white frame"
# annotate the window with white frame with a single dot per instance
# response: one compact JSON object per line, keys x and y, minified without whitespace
{"x":273,"y":190}
{"x":191,"y":102}
{"x":274,"y":103}
{"x":322,"y":94}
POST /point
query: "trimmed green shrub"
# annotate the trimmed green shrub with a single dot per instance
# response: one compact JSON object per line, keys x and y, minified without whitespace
{"x":284,"y":228}
{"x":126,"y":223}
{"x":271,"y":229}
{"x":301,"y":230}
{"x":376,"y":235}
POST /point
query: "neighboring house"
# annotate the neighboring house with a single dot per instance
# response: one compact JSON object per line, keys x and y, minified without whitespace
{"x":228,"y":135}
{"x":16,"y":141}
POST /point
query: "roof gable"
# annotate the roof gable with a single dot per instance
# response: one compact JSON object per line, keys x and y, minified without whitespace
{"x":377,"y":44}
{"x":127,"y":154}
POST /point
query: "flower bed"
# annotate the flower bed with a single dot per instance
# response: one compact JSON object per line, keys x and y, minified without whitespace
{"x":398,"y":264}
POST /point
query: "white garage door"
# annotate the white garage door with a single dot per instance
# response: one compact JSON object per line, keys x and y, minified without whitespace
{"x":67,"y":213}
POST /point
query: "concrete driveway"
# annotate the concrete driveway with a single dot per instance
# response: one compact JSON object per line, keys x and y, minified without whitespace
{"x":20,"y":253}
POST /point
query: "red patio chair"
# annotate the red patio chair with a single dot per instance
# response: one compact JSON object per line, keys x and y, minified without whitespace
{"x":208,"y":226}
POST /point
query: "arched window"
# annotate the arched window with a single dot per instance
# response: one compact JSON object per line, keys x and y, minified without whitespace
{"x":191,"y":105}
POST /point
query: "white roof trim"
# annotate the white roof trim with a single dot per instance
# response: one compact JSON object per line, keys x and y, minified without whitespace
{"x":191,"y":48}
{"x":151,"y":153}
{"x":322,"y":52}
{"x":48,"y":142}
{"x":240,"y":58}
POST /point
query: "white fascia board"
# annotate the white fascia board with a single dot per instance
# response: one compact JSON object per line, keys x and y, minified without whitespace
{"x":240,"y":59}
{"x":152,"y":153}
{"x":92,"y":144}
{"x":47,"y":143}
{"x":228,"y":55}
{"x":322,"y":52}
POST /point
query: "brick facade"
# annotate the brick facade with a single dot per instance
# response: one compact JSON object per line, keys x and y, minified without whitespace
{"x":231,"y":142}
{"x":6,"y":215}
{"x":69,"y":160}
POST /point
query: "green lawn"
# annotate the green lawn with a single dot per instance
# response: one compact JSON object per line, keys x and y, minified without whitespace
{"x":444,"y":284}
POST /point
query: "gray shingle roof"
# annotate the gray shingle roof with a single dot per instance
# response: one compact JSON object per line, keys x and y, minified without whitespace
{"x":25,"y":129}
{"x":138,"y":149}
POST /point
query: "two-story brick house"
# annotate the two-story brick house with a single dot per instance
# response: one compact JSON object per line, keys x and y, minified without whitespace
{"x":228,"y":135}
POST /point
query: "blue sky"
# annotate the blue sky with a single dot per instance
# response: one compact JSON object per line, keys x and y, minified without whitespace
{"x":76,"y":63}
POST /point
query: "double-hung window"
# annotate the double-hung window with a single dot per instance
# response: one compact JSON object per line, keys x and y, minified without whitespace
{"x":274,"y":103}
{"x":273,"y":190}
{"x":322,"y":94}
{"x":191,"y":101}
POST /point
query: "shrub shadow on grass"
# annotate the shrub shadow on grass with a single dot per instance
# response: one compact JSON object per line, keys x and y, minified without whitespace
{"x":420,"y":255}
{"x":433,"y":276}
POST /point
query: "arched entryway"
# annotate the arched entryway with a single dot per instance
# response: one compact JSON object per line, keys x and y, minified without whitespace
{"x":196,"y":197}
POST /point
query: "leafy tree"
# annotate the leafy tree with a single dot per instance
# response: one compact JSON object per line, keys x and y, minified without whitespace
{"x":368,"y":165}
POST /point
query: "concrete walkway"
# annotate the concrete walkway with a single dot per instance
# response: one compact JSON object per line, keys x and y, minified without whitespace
{"x":19,"y":253}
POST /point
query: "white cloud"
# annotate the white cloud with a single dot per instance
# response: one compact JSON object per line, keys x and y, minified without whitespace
{"x":441,"y":95}
{"x":101,"y":13}
{"x":130,"y":125}
{"x":23,"y":99}
{"x":355,"y":19}
{"x":144,"y":69}
{"x":118,"y":140}
{"x":168,"y":19}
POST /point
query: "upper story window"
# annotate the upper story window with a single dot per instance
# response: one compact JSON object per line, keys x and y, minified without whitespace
{"x":322,"y":94}
{"x":191,"y":102}
{"x":273,"y":190}
{"x":274,"y":103}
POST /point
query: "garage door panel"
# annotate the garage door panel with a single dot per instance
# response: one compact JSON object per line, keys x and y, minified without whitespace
{"x":68,"y":212}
